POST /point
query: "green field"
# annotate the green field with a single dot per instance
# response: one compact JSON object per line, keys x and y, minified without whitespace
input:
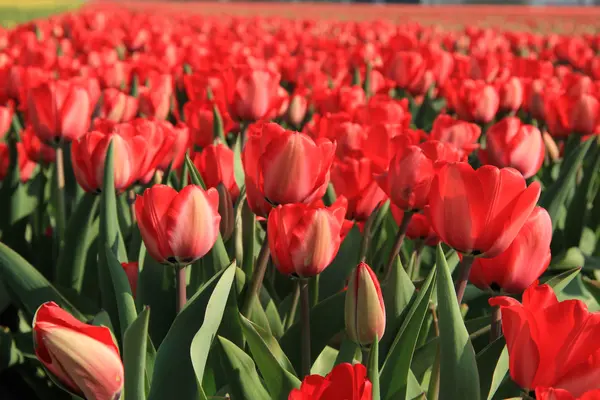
{"x":11,"y":14}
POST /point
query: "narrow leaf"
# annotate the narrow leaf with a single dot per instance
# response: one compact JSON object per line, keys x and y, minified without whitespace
{"x":135,"y":342}
{"x":373,"y":368}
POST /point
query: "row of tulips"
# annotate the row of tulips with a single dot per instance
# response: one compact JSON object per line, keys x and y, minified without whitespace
{"x":254,"y":208}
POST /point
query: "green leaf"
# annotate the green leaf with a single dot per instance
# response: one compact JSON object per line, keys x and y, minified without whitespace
{"x":333,"y":279}
{"x":135,"y":342}
{"x":397,"y":293}
{"x":28,"y":288}
{"x":174,"y":375}
{"x":244,"y":380}
{"x":554,"y":196}
{"x":330,"y":310}
{"x":278,"y":380}
{"x":248,"y":238}
{"x":78,"y":237}
{"x":373,"y":368}
{"x":325,"y":361}
{"x":271,"y":312}
{"x":560,"y":281}
{"x":110,"y":236}
{"x":593,"y":287}
{"x":394,"y":374}
{"x":213,"y":315}
{"x":492,"y":364}
{"x":123,"y":297}
{"x":195,"y":176}
{"x":9,"y":353}
{"x":424,"y":356}
{"x":238,"y":167}
{"x":349,"y":352}
{"x":458,"y":367}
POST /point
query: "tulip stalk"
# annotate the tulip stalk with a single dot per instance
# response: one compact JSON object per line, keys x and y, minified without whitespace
{"x":293,"y":307}
{"x":305,"y":323}
{"x":60,"y":193}
{"x":366,"y":239}
{"x":258,"y":274}
{"x":397,"y":244}
{"x":433,"y":391}
{"x":181,"y":288}
{"x":496,"y":324}
{"x":464,"y":268}
{"x":414,"y":268}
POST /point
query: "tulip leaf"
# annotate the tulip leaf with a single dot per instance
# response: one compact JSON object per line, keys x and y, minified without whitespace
{"x":593,"y":287}
{"x":248,"y":238}
{"x":135,"y":342}
{"x":124,"y":299}
{"x":110,"y":236}
{"x":213,"y":315}
{"x":257,"y":315}
{"x":195,"y":176}
{"x":238,"y":167}
{"x":397,"y":292}
{"x":373,"y":368}
{"x":333,"y":278}
{"x":492,"y":364}
{"x":394,"y":373}
{"x":244,"y":381}
{"x":424,"y":356}
{"x":325,"y":361}
{"x":174,"y":375}
{"x":349,"y":352}
{"x":560,"y":281}
{"x":271,"y":312}
{"x":459,"y":378}
{"x":27,"y":286}
{"x":330,"y":310}
{"x":78,"y":238}
{"x":555,"y":196}
{"x":279,"y":380}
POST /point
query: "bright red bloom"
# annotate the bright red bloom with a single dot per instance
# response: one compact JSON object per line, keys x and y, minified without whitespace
{"x":517,"y":267}
{"x":252,"y":93}
{"x":511,"y":143}
{"x":551,"y":344}
{"x":419,"y":226}
{"x":59,"y":111}
{"x":178,"y":228}
{"x":493,"y":205}
{"x":304,"y":239}
{"x":118,"y":106}
{"x":461,"y":134}
{"x":409,"y":70}
{"x":344,"y":382}
{"x":155,"y":101}
{"x":284,"y":166}
{"x":557,"y":113}
{"x":26,"y":166}
{"x":216,"y":165}
{"x":585,"y":115}
{"x":83,"y":357}
{"x":37,"y":150}
{"x":179,"y":136}
{"x":477,"y":101}
{"x":199,"y":116}
{"x":511,"y":94}
{"x":561,"y":394}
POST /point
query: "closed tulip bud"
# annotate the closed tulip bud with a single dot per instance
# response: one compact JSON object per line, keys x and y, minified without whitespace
{"x":156,"y":101}
{"x":37,"y":150}
{"x":480,"y":211}
{"x":297,"y":108}
{"x":304,"y":239}
{"x":84,"y":358}
{"x":461,"y":134}
{"x":364,"y":309}
{"x":118,"y":106}
{"x":179,"y":136}
{"x":551,"y":146}
{"x":477,"y":101}
{"x":551,"y":344}
{"x":178,"y":228}
{"x":408,"y":69}
{"x":216,"y":165}
{"x":511,"y":143}
{"x":226,"y":212}
{"x":88,"y":155}
{"x":557,"y":111}
{"x":60,"y":111}
{"x":511,"y":94}
{"x":517,"y":267}
{"x":585,"y":115}
{"x":252,"y":93}
{"x":132,"y":271}
{"x":285,"y":166}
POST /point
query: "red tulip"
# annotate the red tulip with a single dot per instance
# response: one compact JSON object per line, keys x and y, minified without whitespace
{"x":285,"y":166}
{"x":59,"y":111}
{"x":298,"y":107}
{"x":132,"y":271}
{"x":26,"y":166}
{"x":557,"y":112}
{"x":88,"y":156}
{"x":528,"y":256}
{"x":477,"y":101}
{"x":493,"y":205}
{"x":511,"y":94}
{"x":511,"y":143}
{"x":178,"y":228}
{"x":344,"y":382}
{"x":353,"y":179}
{"x":252,"y":93}
{"x":383,"y":110}
{"x":36,"y":150}
{"x":550,"y":343}
{"x":83,"y":357}
{"x":585,"y":115}
{"x":409,"y":70}
{"x":408,"y":179}
{"x":118,"y":106}
{"x":216,"y":165}
{"x":180,"y":139}
{"x":461,"y":134}
{"x":419,"y":227}
{"x":6,"y":116}
{"x":304,"y":239}
{"x":561,"y":394}
{"x":155,"y":101}
{"x":199,"y":117}
{"x":364,"y":307}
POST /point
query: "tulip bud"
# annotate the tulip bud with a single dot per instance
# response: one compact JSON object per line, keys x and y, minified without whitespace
{"x":365,"y":311}
{"x":225,"y":211}
{"x":84,"y":358}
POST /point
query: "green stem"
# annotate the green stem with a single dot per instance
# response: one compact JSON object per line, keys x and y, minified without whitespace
{"x":415,"y":262}
{"x":366,"y":239}
{"x":258,"y":274}
{"x":397,"y":244}
{"x":314,"y":290}
{"x":180,"y":283}
{"x":293,"y":307}
{"x":433,"y":391}
{"x":60,"y":195}
{"x":496,"y":324}
{"x":305,"y":322}
{"x":464,"y":268}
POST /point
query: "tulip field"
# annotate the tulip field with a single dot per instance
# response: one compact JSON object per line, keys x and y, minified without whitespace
{"x":252,"y":202}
